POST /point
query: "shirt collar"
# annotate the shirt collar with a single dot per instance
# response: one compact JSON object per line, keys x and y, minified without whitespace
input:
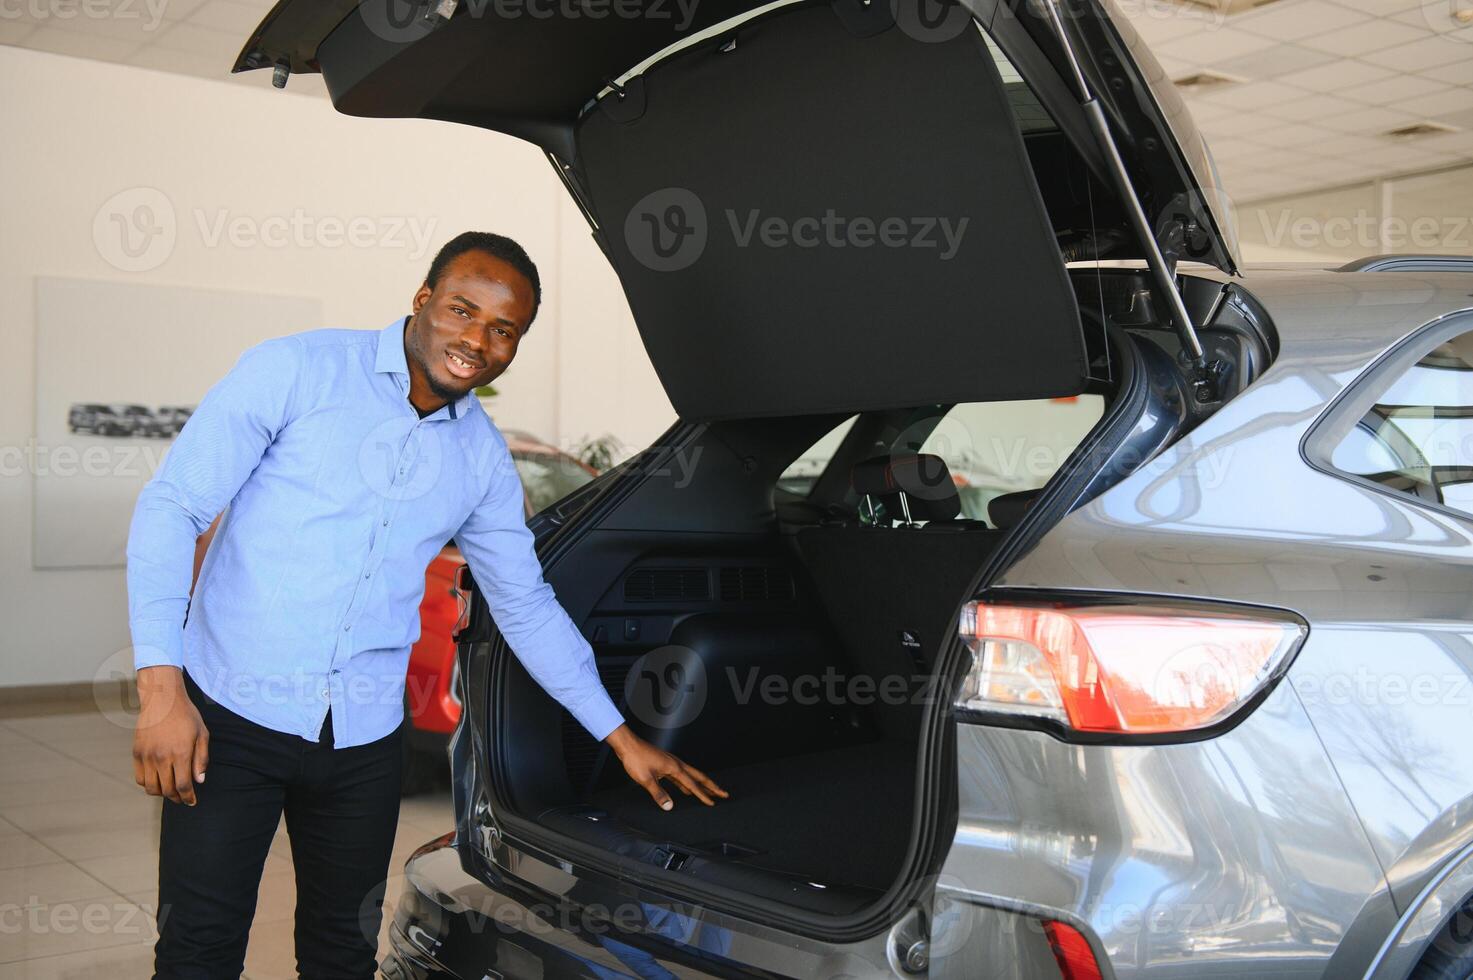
{"x":390,"y":360}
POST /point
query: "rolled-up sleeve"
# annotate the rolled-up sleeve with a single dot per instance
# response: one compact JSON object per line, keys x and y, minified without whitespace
{"x":218,"y":448}
{"x":501,"y":552}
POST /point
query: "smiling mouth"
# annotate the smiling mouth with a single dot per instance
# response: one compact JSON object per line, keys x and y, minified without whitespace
{"x":461,"y":367}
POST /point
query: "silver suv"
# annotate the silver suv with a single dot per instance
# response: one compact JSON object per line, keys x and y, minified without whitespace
{"x":1177,"y":689}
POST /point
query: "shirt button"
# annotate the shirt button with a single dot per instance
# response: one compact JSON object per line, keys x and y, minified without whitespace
{"x":324,"y":693}
{"x":386,"y":523}
{"x":347,"y":628}
{"x":368,"y":575}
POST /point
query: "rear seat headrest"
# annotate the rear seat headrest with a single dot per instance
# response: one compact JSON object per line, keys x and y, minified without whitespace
{"x":1008,"y":509}
{"x":929,"y":490}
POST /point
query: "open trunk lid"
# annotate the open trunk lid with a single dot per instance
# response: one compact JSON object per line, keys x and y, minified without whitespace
{"x":823,"y":207}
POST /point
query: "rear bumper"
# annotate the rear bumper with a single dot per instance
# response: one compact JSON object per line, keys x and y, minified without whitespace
{"x":449,"y":923}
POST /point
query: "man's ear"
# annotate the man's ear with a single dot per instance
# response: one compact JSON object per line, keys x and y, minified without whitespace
{"x":422,"y":297}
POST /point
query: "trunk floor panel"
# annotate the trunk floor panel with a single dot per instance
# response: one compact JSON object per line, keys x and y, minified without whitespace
{"x":840,"y":816}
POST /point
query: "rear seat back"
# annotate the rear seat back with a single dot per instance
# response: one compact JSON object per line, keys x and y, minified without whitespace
{"x":891,"y":593}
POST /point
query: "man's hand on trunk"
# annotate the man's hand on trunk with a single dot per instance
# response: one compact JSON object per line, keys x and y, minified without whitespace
{"x":647,"y":765}
{"x":171,"y":746}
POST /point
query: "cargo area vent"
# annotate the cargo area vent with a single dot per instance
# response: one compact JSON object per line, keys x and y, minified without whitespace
{"x":667,"y":585}
{"x":756,"y":583}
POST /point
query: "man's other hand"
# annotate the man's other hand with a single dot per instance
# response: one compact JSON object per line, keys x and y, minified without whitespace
{"x":647,"y":765}
{"x":171,"y":746}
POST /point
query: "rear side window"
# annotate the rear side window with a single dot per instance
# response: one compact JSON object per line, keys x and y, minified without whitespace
{"x":1411,"y":431}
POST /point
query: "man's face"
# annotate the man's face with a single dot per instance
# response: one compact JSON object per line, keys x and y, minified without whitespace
{"x":464,"y":332}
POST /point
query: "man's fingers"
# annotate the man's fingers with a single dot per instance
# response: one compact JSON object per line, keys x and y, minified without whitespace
{"x":165,"y":771}
{"x":201,"y":756}
{"x":184,"y":779}
{"x":657,"y":793}
{"x":138,"y":769}
{"x":150,"y":782}
{"x":689,"y":786}
{"x":706,"y":781}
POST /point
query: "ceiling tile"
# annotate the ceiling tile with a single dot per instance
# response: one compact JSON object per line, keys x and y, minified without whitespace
{"x":1349,"y":147}
{"x":1451,"y":100}
{"x":180,"y":9}
{"x":1380,"y":8}
{"x":199,"y":40}
{"x":1408,"y":156}
{"x":1277,"y":60}
{"x":1463,"y":119}
{"x":223,"y":15}
{"x":1370,"y":35}
{"x":1370,"y":121}
{"x":15,"y":31}
{"x":1212,"y":46}
{"x":1394,"y":89}
{"x":1273,"y":159}
{"x":1162,"y":22}
{"x":1253,"y":95}
{"x":1337,"y":76}
{"x":1206,"y":111}
{"x":1293,"y":136}
{"x":1311,"y":107}
{"x":1457,"y":73}
{"x":1434,"y":15}
{"x":1429,"y":52}
{"x":1289,"y":21}
{"x":1233,"y":124}
{"x":81,"y":45}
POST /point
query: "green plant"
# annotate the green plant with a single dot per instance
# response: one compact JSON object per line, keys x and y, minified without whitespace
{"x":599,"y":452}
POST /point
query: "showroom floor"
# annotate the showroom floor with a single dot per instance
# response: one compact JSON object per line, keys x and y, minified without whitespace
{"x":79,"y":854}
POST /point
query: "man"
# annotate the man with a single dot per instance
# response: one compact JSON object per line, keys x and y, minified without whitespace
{"x":347,"y":459}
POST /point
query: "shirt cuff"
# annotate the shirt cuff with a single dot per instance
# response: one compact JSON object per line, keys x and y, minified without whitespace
{"x":157,"y":644}
{"x":598,"y":715}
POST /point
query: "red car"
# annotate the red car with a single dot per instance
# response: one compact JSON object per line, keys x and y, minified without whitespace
{"x":431,"y":699}
{"x":431,"y":704}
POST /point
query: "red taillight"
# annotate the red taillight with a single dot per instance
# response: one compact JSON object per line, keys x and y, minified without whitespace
{"x":1122,"y":667}
{"x":1071,"y":949}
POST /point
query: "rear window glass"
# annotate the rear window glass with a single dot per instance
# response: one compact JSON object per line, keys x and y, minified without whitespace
{"x":993,"y":448}
{"x":803,"y":472}
{"x":1416,"y":434}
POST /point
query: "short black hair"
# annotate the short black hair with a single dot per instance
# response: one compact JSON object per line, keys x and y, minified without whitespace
{"x":496,"y":246}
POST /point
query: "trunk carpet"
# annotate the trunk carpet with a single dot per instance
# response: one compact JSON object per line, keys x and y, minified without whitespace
{"x":838,"y":817}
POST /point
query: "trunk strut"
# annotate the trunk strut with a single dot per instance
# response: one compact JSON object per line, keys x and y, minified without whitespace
{"x":1204,"y":381}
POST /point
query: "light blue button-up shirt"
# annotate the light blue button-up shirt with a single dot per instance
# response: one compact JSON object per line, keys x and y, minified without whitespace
{"x":339,"y":495}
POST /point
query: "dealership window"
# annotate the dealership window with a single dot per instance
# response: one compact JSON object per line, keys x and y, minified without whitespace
{"x":993,"y":448}
{"x":1415,"y":434}
{"x":803,"y":472}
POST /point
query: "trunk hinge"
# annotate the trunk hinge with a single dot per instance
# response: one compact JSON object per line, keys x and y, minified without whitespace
{"x":1163,"y":274}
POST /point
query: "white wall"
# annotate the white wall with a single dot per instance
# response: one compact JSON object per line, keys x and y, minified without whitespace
{"x":289,"y":176}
